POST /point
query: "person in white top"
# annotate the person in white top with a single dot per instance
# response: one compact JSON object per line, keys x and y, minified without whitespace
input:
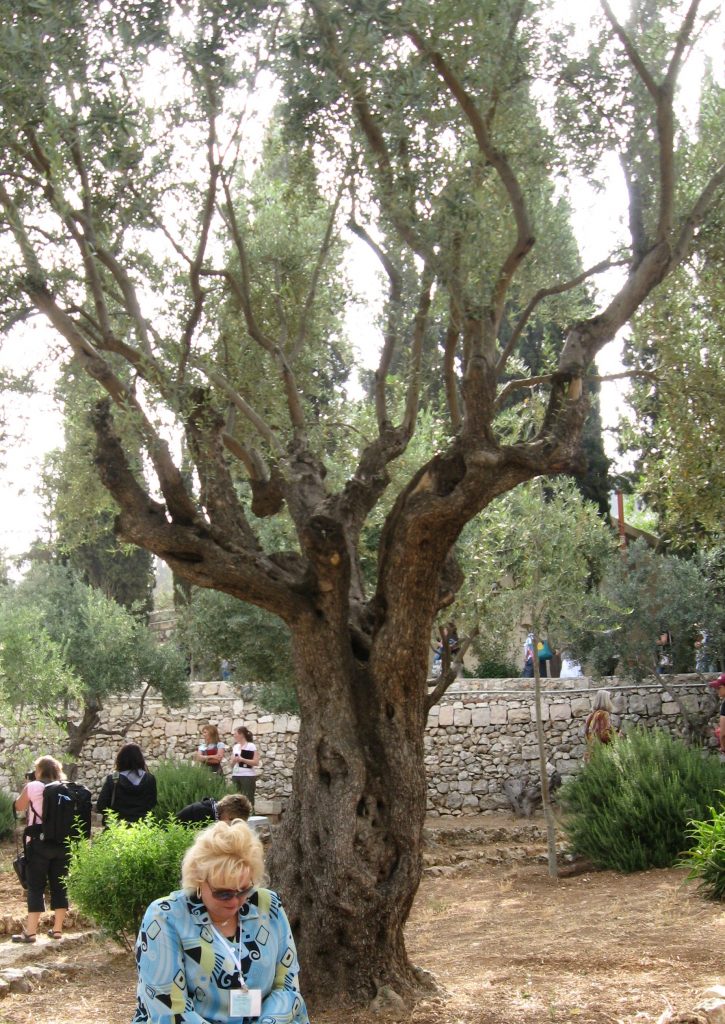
{"x":245,"y":758}
{"x":570,"y":669}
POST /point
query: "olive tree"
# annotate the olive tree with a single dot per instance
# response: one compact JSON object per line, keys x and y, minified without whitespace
{"x":129,"y":140}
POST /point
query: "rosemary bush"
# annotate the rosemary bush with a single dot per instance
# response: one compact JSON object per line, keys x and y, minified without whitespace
{"x":179,"y":783}
{"x":631,"y":806}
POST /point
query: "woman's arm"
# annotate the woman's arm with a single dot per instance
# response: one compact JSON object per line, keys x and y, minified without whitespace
{"x":21,"y":804}
{"x":218,"y":757}
{"x":284,"y":1004}
{"x":250,"y":762}
{"x":104,"y":797}
{"x":162,"y":987}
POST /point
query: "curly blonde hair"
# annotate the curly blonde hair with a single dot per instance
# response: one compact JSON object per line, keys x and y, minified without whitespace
{"x":220,"y":853}
{"x":48,"y":769}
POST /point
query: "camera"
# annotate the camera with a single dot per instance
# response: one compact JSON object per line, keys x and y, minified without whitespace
{"x":30,"y":776}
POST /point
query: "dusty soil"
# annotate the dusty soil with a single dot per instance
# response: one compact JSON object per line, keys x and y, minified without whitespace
{"x":504,"y":941}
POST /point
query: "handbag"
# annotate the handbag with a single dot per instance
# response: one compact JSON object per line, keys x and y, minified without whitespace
{"x":20,"y":868}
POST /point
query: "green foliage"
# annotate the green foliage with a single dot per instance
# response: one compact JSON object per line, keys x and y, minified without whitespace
{"x":643,"y":594}
{"x":179,"y":783}
{"x":631,"y":805}
{"x":7,"y":817}
{"x":534,"y":556}
{"x":706,"y":856}
{"x":113,"y":878}
{"x":215,"y":626}
{"x":105,"y":647}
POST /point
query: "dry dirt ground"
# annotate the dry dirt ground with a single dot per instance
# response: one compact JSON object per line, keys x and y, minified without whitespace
{"x":504,"y":941}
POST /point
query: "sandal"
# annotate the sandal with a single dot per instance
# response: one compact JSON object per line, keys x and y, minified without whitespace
{"x":23,"y":937}
{"x":55,"y":935}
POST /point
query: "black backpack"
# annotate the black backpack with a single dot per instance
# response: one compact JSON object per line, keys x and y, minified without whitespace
{"x":67,"y":810}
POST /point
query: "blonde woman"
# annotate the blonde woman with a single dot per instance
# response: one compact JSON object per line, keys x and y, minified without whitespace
{"x":220,"y":949}
{"x":47,"y":862}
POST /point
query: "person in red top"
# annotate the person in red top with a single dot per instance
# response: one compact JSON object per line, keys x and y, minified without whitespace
{"x":211,"y":751}
{"x":719,"y":685}
{"x":598,"y":727}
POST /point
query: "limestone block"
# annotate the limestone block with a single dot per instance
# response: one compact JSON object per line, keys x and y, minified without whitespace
{"x":580,"y":706}
{"x":530,"y":753}
{"x":263,"y":728}
{"x":517,"y":715}
{"x":293,"y":724}
{"x":442,"y":787}
{"x":670,"y":708}
{"x":499,"y":714}
{"x":481,"y":717}
{"x":454,"y":801}
{"x":445,"y":715}
{"x":560,"y":712}
{"x":176,"y":728}
{"x":464,"y":786}
{"x":209,"y":689}
{"x":470,"y":802}
{"x":462,"y":716}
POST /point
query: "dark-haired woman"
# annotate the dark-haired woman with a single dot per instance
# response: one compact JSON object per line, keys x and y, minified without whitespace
{"x":245,"y":758}
{"x":130,"y":790}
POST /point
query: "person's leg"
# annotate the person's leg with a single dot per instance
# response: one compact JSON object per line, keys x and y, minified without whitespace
{"x":247,"y":786}
{"x":37,"y":867}
{"x":57,"y":870}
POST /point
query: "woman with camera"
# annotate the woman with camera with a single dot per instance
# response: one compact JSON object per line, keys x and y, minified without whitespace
{"x":47,"y":862}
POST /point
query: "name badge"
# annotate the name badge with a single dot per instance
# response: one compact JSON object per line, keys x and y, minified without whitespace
{"x":245,"y":1002}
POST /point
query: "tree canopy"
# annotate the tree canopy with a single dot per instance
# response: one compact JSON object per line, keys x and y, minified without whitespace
{"x":208,"y":304}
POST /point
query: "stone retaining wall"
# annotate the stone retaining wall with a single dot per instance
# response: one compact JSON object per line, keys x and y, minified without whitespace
{"x":481,"y":734}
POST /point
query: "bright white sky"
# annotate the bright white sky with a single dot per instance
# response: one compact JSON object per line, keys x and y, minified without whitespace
{"x":35,"y":424}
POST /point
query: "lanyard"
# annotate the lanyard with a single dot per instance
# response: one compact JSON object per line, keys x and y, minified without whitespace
{"x":236,"y":955}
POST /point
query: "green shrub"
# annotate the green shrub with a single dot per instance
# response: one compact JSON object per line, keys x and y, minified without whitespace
{"x":113,"y":878}
{"x":631,"y":806}
{"x":7,"y":818}
{"x":706,"y":857}
{"x":180,"y":783}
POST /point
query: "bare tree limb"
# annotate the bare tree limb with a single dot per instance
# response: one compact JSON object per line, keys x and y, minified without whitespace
{"x":524,"y":233}
{"x":419,"y":326}
{"x":314,"y":279}
{"x":392,"y":326}
{"x":542,"y":294}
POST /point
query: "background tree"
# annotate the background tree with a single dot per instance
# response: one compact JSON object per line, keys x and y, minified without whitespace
{"x":70,"y":648}
{"x":80,"y":512}
{"x":129,"y":227}
{"x":645,"y":593}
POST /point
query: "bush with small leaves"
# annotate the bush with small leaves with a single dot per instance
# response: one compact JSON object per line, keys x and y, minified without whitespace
{"x":113,"y":878}
{"x":631,"y":805}
{"x":7,"y":817}
{"x":706,"y":856}
{"x":179,"y":783}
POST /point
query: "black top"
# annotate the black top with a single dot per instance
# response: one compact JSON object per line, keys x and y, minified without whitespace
{"x":202,"y":810}
{"x":129,"y":802}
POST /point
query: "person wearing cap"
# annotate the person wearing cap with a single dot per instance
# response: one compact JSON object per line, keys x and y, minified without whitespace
{"x":719,"y":685}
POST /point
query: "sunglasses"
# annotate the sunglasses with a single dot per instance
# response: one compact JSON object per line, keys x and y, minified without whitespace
{"x":227,"y":895}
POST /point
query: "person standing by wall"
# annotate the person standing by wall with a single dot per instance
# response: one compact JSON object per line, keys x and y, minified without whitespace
{"x":130,"y":790}
{"x":211,"y":750}
{"x":719,"y":685}
{"x":598,"y":727}
{"x":245,"y":759}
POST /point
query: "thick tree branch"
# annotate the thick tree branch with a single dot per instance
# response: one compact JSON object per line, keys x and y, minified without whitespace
{"x":419,"y":326}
